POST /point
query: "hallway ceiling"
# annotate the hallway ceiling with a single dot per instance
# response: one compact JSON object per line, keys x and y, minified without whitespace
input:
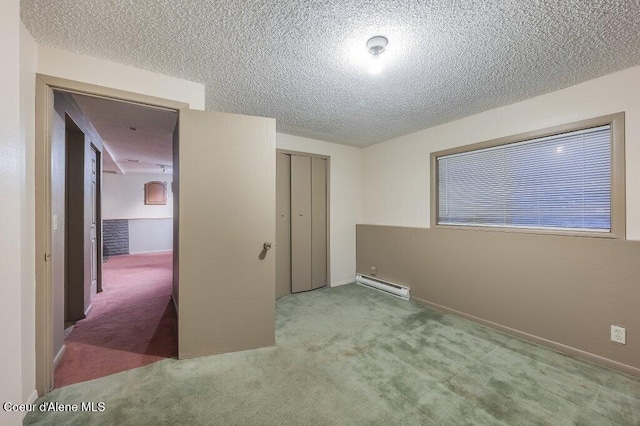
{"x":304,"y":62}
{"x":138,"y":138}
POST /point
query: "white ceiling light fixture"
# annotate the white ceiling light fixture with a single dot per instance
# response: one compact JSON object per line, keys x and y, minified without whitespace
{"x":376,"y":45}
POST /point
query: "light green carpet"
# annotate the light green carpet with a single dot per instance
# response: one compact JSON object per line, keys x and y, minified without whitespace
{"x":351,"y":355}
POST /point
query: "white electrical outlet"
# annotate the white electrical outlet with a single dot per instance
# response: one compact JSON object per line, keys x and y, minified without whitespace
{"x":619,"y":334}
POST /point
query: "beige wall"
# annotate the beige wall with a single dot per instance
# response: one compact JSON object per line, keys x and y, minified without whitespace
{"x":17,"y":360}
{"x":396,"y":183}
{"x":513,"y":281}
{"x":12,"y":186}
{"x":72,"y":66}
{"x":123,"y":196}
{"x":561,"y":291}
{"x":23,"y":58}
{"x":28,"y":65}
{"x":344,"y":200}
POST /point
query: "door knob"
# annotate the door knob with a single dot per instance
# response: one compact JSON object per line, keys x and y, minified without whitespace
{"x":267,"y":245}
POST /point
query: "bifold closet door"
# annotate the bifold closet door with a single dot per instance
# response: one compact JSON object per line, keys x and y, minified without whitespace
{"x":283,"y":224}
{"x":301,"y":215}
{"x":319,"y":222}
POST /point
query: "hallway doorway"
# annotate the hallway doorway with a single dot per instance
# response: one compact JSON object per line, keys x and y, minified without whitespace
{"x":225,"y":194}
{"x":112,"y":236}
{"x":80,"y":152}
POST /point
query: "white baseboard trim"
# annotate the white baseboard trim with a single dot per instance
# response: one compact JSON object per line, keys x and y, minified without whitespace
{"x":32,"y":398}
{"x":174,"y":302}
{"x":59,"y":355}
{"x":151,"y":251}
{"x":558,"y":347}
{"x":343,"y":282}
{"x":88,"y":310}
{"x":141,"y":218}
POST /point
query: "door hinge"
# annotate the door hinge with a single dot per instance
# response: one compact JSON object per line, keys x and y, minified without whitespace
{"x":47,"y":256}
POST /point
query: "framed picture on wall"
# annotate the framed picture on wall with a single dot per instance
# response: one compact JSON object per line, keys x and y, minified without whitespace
{"x":155,"y":193}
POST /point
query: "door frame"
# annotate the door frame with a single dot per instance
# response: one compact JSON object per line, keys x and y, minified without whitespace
{"x":45,"y":86}
{"x":328,"y":158}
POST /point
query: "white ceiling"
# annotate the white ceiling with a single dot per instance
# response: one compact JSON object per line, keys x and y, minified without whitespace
{"x":304,"y":62}
{"x":149,"y":145}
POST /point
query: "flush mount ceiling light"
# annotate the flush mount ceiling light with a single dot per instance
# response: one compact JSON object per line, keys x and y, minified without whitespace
{"x":376,"y":46}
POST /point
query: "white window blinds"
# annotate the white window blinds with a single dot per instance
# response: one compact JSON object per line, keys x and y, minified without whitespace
{"x":557,"y":182}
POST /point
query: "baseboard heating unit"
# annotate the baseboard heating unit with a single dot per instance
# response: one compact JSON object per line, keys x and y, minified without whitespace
{"x":384,"y":286}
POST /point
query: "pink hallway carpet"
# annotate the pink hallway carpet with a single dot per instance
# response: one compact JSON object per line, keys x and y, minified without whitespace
{"x":132,"y":322}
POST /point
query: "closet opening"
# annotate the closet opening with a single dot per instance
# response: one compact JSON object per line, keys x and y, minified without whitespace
{"x":302,"y":222}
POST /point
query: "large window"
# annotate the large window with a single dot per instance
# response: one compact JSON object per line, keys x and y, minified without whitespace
{"x":568,"y":179}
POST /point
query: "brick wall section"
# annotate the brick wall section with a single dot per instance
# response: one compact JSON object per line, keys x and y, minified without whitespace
{"x":115,"y":237}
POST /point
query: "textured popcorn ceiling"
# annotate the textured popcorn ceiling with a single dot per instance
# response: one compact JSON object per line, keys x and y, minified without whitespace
{"x":149,"y":145}
{"x":304,"y":62}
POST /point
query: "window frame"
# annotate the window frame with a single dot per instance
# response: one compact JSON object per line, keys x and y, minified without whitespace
{"x":618,"y":194}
